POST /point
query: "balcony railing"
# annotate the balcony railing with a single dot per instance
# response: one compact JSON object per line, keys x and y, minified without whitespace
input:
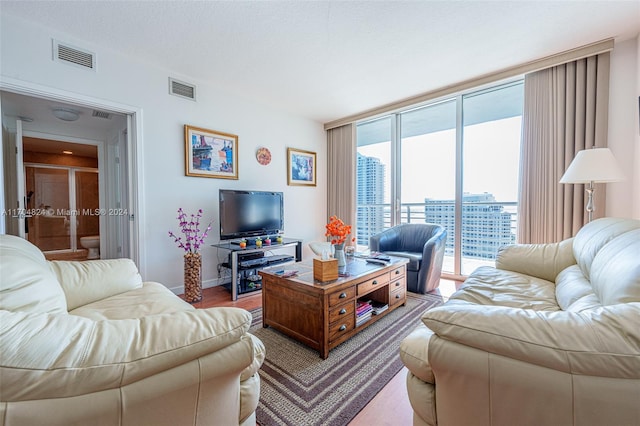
{"x":485,"y":226}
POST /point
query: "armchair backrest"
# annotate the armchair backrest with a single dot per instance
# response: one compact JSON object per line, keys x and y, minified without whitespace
{"x":408,"y":237}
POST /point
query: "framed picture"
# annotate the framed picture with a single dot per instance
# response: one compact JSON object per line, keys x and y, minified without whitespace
{"x":301,"y":167}
{"x":209,"y":153}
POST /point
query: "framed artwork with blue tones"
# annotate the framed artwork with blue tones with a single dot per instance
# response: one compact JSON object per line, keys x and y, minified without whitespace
{"x":209,"y":153}
{"x":301,"y":167}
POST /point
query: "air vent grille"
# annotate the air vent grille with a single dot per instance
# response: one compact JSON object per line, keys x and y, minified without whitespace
{"x":73,"y":56}
{"x":182,"y":89}
{"x":101,"y":114}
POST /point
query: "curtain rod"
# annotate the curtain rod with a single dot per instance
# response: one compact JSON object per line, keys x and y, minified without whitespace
{"x":535,"y":65}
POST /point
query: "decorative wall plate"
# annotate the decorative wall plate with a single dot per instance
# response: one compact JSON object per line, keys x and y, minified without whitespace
{"x":263,"y":155}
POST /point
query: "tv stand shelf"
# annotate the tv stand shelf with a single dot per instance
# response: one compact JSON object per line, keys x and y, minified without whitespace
{"x":239,"y":285}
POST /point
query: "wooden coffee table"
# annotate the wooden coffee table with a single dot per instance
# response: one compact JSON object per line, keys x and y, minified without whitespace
{"x":323,"y":315}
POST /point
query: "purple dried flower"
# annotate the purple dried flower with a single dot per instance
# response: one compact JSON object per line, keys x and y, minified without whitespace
{"x":193,"y":239}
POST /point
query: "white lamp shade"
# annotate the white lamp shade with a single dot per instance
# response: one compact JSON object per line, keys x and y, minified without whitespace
{"x":593,"y":165}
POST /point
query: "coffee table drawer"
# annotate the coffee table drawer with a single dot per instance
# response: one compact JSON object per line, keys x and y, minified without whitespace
{"x":373,"y":284}
{"x":342,"y":312}
{"x":339,"y":328}
{"x":398,"y":296}
{"x":397,"y":284}
{"x":342,"y":296}
{"x":398,"y":272}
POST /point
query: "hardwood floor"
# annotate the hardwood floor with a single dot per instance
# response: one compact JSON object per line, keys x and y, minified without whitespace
{"x":390,"y":407}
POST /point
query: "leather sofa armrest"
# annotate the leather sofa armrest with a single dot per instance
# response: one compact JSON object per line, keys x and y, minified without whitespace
{"x":93,"y":280}
{"x":577,"y":343}
{"x":60,"y":355}
{"x":414,"y":353}
{"x":544,"y":261}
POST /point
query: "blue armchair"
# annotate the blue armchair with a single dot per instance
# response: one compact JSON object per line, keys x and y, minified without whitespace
{"x":422,"y":244}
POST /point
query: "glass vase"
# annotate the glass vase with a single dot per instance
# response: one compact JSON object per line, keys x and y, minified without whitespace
{"x":192,"y":277}
{"x":339,"y":254}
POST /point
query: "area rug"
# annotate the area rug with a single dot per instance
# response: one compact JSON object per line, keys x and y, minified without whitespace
{"x":300,"y":388}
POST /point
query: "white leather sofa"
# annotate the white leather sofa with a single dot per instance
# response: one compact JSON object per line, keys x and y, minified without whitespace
{"x":88,"y":343}
{"x":551,"y":336}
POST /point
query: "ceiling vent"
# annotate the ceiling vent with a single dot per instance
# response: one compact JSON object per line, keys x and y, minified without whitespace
{"x":101,"y":114}
{"x":73,"y":56}
{"x":182,"y":89}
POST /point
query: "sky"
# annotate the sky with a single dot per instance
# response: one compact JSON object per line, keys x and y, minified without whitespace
{"x":490,"y":162}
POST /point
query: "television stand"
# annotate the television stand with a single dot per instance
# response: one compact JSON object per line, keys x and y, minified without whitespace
{"x":241,"y":285}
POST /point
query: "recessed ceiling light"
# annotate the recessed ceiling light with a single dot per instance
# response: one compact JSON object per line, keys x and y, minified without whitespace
{"x":67,"y":152}
{"x":66,"y":114}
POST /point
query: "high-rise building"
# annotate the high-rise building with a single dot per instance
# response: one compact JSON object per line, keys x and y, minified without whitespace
{"x":369,"y":198}
{"x":485,"y":224}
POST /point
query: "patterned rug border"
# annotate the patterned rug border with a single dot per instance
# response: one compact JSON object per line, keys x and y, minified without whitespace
{"x":299,"y":388}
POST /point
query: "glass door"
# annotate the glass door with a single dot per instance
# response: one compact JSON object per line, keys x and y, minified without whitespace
{"x":62,"y":205}
{"x":491,"y":158}
{"x":373,"y":179}
{"x":428,"y":172}
{"x":48,"y":225}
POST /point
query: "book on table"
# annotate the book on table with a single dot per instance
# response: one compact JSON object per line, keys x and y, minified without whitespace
{"x":364,"y":318}
{"x":378,"y":307}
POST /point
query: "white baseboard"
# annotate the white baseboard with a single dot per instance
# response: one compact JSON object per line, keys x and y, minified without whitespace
{"x":205,"y":284}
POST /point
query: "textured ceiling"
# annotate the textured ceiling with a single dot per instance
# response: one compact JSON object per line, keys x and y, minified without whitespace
{"x":329,"y":59}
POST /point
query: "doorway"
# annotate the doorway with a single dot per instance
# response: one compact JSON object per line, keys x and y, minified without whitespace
{"x":79,"y":211}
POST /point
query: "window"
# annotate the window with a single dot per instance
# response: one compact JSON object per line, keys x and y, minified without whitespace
{"x":453,"y":162}
{"x":373,"y":179}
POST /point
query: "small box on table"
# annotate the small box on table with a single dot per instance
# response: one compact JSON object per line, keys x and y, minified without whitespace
{"x":325,"y":270}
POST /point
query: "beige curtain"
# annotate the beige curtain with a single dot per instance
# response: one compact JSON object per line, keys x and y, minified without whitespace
{"x":565,"y":111}
{"x":341,"y":174}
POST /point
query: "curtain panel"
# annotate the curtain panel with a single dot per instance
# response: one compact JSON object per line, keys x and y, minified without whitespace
{"x":565,"y":111}
{"x":341,"y":174}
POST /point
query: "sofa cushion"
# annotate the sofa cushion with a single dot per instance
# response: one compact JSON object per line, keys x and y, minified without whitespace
{"x":592,"y":237}
{"x":87,"y":282}
{"x":601,"y":342}
{"x":615,"y":271}
{"x":414,"y":258}
{"x":490,"y":286}
{"x":150,"y":299}
{"x":27,"y":283}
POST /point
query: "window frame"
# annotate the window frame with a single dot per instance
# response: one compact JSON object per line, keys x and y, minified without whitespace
{"x":395,"y":166}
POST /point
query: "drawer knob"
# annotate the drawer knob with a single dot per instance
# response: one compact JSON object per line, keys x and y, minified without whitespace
{"x":398,"y":284}
{"x":343,"y":311}
{"x":397,"y":296}
{"x":374,"y":282}
{"x":343,"y":295}
{"x":397,"y":272}
{"x":343,"y":327}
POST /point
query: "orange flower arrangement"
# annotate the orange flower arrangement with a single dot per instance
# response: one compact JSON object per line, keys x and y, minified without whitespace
{"x":337,"y":230}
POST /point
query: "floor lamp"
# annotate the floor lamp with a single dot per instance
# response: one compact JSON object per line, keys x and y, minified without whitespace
{"x":597,"y":165}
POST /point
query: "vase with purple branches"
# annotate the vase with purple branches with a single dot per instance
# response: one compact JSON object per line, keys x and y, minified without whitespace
{"x":190,"y":241}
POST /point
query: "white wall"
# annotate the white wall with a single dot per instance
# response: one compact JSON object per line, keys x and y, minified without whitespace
{"x":26,"y":57}
{"x":623,"y":198}
{"x":636,"y":161}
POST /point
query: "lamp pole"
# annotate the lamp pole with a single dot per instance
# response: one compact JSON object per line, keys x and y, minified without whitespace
{"x":590,"y":207}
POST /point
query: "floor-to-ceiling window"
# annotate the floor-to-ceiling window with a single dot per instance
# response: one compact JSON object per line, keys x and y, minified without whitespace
{"x":373,"y":191}
{"x":453,"y":162}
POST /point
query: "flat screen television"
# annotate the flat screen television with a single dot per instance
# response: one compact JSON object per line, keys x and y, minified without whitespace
{"x":246,"y":214}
